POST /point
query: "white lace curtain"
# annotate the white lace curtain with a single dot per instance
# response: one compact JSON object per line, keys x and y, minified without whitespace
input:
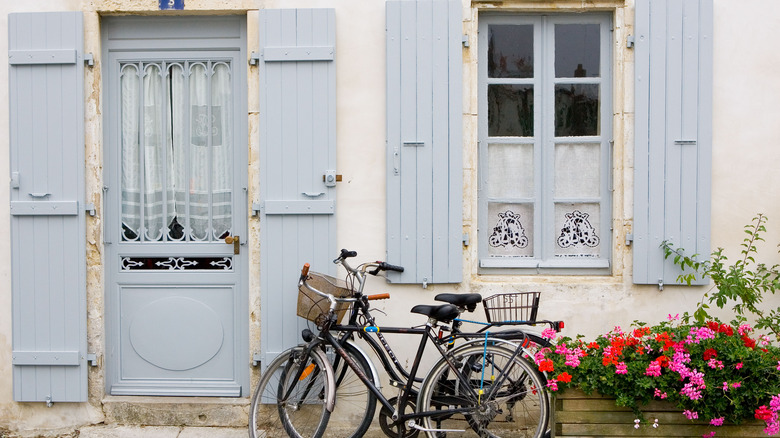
{"x":177,"y":153}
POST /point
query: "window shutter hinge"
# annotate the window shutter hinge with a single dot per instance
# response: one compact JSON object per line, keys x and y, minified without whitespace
{"x":425,"y":283}
{"x":89,"y":60}
{"x":92,"y":359}
{"x":465,"y":40}
{"x":90,"y":208}
{"x":254,"y":58}
{"x":465,"y":239}
{"x":256,"y":360}
{"x":629,"y":239}
{"x":256,"y":207}
{"x":660,"y":284}
{"x":630,"y":42}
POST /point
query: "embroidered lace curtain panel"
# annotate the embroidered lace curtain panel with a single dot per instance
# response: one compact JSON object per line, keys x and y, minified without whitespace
{"x":176,"y":151}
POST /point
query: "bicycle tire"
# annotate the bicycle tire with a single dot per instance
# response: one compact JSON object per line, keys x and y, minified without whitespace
{"x":307,"y":416}
{"x":355,"y":404}
{"x":519,"y":407}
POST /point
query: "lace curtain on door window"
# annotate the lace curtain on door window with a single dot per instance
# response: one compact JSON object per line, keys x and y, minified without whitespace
{"x":176,"y":151}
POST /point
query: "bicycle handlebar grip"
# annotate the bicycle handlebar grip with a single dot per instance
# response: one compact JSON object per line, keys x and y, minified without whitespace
{"x":384,"y":296}
{"x":346,"y":253}
{"x":305,"y":271}
{"x":388,"y":267}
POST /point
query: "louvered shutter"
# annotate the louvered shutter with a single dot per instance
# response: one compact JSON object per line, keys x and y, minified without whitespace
{"x":48,"y":255}
{"x":424,"y":140}
{"x":673,"y":143}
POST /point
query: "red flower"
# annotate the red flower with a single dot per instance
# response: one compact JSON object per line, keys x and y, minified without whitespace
{"x":712,"y":325}
{"x":564,"y":377}
{"x":710,"y":353}
{"x":749,"y":343}
{"x":594,"y":345}
{"x":726,"y":329}
{"x":762,"y":413}
{"x":663,"y":361}
{"x":546,"y":365}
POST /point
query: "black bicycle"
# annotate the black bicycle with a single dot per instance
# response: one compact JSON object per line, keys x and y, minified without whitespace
{"x":483,"y":385}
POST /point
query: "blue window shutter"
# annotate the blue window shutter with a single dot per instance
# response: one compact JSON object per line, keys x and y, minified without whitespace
{"x":48,"y":249}
{"x":673,"y":138}
{"x":424,"y":140}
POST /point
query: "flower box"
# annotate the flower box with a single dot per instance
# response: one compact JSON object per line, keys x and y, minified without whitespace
{"x":578,"y":414}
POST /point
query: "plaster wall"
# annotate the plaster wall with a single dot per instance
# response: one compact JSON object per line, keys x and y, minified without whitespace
{"x":744,"y":180}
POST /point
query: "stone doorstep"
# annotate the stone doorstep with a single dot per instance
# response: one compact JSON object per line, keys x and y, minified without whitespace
{"x":177,"y":411}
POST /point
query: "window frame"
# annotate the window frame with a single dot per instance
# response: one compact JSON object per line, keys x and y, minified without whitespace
{"x":544,"y":260}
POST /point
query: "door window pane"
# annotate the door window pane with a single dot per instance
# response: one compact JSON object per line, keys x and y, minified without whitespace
{"x":510,"y":171}
{"x":577,"y":170}
{"x":577,"y":50}
{"x":176,"y":151}
{"x":511,"y":230}
{"x":510,"y":110}
{"x":576,"y":110}
{"x":510,"y":51}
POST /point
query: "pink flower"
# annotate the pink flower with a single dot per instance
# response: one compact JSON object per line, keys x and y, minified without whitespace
{"x":654,"y":369}
{"x":709,"y":435}
{"x":715,"y":364}
{"x":673,"y":318}
{"x":739,"y":365}
{"x":659,"y":394}
{"x":548,"y":333}
{"x":691,"y":415}
{"x":717,"y":421}
{"x":778,"y":365}
{"x":736,"y":385}
{"x":552,"y":385}
{"x":621,"y":368}
{"x":744,"y":329}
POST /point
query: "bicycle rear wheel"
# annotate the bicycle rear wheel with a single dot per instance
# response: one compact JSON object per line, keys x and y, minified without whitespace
{"x":513,"y":401}
{"x":290,"y":399}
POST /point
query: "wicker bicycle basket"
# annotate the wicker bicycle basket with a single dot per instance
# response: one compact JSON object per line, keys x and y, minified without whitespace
{"x":514,"y":307}
{"x":314,"y":307}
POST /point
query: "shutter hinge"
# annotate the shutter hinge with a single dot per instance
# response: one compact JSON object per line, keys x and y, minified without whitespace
{"x":465,"y":239}
{"x":49,"y":403}
{"x":630,"y":41}
{"x":425,"y":283}
{"x":89,"y":59}
{"x":254,"y":58}
{"x":256,"y":207}
{"x":660,"y":284}
{"x":465,"y":40}
{"x":92,"y":359}
{"x":90,"y":208}
{"x":256,"y":360}
{"x":629,"y":239}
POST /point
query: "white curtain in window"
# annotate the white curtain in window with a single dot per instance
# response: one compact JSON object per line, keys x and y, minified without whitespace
{"x":176,"y":183}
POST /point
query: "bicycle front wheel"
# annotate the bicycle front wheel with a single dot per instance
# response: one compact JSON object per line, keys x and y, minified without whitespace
{"x":355,"y":404}
{"x":291,"y":397}
{"x":491,"y":392}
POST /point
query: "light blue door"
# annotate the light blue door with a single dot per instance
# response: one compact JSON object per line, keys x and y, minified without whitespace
{"x":175,"y":225}
{"x":298,"y":159}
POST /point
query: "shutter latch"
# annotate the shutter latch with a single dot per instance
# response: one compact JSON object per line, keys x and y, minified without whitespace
{"x":331,"y":178}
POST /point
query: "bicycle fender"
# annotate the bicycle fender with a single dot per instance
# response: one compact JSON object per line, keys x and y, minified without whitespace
{"x":330,"y":397}
{"x":374,"y":371}
{"x":503,"y":343}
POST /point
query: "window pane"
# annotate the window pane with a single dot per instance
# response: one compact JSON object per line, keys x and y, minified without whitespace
{"x":131,"y":156}
{"x":154,"y":152}
{"x":510,"y":51}
{"x":576,"y":110}
{"x":577,"y":53}
{"x":200,"y":128}
{"x":222,"y":151}
{"x":511,"y":230}
{"x":577,"y":226}
{"x":510,"y":110}
{"x":577,"y":170}
{"x":510,"y":171}
{"x":177,"y":170}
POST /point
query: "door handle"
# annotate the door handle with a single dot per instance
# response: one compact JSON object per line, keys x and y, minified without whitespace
{"x":236,"y":241}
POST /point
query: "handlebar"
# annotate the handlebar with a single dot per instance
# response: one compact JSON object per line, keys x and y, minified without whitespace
{"x":384,"y":296}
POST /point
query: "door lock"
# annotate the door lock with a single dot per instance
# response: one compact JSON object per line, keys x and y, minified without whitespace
{"x":236,"y":241}
{"x":331,"y":178}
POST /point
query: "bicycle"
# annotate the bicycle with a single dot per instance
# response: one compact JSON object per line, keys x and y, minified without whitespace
{"x":449,"y":393}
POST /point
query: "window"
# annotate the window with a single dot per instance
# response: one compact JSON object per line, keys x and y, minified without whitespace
{"x":176,"y":154}
{"x":544,"y":143}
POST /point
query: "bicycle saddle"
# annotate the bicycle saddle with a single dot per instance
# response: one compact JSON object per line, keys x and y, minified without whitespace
{"x":469,"y":301}
{"x":442,"y":312}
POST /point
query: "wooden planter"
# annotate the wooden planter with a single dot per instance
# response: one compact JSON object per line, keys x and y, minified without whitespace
{"x":578,"y":414}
